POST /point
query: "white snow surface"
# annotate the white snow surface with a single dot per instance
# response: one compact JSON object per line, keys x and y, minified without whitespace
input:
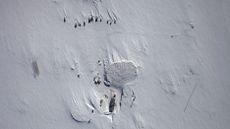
{"x":167,"y":63}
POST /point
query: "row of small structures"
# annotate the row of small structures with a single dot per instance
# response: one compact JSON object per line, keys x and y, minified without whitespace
{"x":91,"y":20}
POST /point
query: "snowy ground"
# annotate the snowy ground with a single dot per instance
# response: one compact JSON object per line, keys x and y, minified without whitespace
{"x":114,"y":64}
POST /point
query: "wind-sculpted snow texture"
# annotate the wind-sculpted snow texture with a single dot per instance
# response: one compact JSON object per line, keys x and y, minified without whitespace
{"x":120,"y":73}
{"x":114,"y":64}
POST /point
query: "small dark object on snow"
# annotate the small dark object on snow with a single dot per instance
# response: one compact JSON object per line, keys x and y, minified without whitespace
{"x":99,"y":62}
{"x":112,"y":104}
{"x":78,"y":75}
{"x":101,"y":101}
{"x":192,"y":26}
{"x":64,"y":20}
{"x":83,"y":23}
{"x":106,"y":96}
{"x":96,"y":19}
{"x":75,"y":25}
{"x":79,"y":24}
{"x":100,"y":20}
{"x":114,"y":21}
{"x":97,"y":80}
{"x":90,"y":19}
{"x":35,"y":69}
{"x":107,"y":83}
